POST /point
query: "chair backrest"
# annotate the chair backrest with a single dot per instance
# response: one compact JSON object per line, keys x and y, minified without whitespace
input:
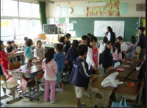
{"x":39,"y":75}
{"x":3,"y":77}
{"x":109,"y":68}
{"x":14,"y":65}
{"x":116,"y":64}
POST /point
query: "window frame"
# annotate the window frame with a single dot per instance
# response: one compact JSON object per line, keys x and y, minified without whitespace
{"x":19,"y":18}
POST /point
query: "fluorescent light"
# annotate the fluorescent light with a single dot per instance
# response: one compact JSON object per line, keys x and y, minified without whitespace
{"x":93,"y":4}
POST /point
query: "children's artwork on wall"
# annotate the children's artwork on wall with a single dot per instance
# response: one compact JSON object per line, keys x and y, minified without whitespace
{"x":64,"y":11}
{"x":143,"y":23}
{"x":111,"y":9}
{"x":79,"y":10}
{"x":57,"y":10}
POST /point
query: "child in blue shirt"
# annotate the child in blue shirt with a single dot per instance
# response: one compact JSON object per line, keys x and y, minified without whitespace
{"x":28,"y":53}
{"x":80,"y":73}
{"x":60,"y":59}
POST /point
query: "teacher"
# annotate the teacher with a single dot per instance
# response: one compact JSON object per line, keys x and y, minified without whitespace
{"x":111,"y":35}
{"x":141,"y":42}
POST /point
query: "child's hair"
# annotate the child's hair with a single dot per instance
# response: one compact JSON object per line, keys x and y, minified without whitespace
{"x":82,"y":49}
{"x":141,"y":28}
{"x":105,"y":40}
{"x":133,"y":39}
{"x":29,"y":42}
{"x":75,"y":45}
{"x":61,"y":40}
{"x":9,"y":42}
{"x":93,"y":39}
{"x":12,"y":41}
{"x":89,"y":34}
{"x":1,"y":42}
{"x":116,"y":46}
{"x":119,"y":38}
{"x":68,"y":35}
{"x":84,"y":37}
{"x":38,"y":42}
{"x":59,"y":46}
{"x":108,"y":43}
{"x":110,"y":29}
{"x":49,"y":55}
{"x":25,"y":38}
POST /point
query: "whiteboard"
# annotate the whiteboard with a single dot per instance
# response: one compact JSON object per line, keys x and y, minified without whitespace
{"x":100,"y":28}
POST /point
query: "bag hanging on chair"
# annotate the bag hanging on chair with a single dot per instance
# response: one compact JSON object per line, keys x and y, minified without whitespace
{"x":122,"y":103}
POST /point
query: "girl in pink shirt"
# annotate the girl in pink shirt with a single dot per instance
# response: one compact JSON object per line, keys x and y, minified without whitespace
{"x":117,"y":55}
{"x":50,"y":70}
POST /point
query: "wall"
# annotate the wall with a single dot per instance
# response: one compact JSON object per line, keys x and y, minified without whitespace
{"x":73,"y":4}
{"x":32,"y":1}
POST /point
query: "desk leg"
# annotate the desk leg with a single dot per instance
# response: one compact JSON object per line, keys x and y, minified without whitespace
{"x":102,"y":96}
{"x":22,"y":57}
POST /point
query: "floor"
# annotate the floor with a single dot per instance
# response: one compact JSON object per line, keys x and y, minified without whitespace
{"x":64,"y":99}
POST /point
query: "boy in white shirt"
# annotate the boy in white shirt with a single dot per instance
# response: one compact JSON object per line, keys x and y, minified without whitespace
{"x":124,"y":46}
{"x":39,"y":51}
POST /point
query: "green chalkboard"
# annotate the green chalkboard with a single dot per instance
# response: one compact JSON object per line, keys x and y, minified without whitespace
{"x":86,"y":25}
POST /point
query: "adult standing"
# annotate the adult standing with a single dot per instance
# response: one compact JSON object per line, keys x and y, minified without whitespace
{"x":111,"y":35}
{"x":141,"y":42}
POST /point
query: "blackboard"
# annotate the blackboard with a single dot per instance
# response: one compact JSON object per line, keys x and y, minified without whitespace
{"x":86,"y":25}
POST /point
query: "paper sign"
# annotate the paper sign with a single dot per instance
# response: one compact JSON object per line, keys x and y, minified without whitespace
{"x":73,"y":33}
{"x":64,"y":11}
{"x":79,"y":10}
{"x":70,"y":26}
{"x":66,"y":20}
{"x":124,"y":8}
{"x":51,"y":21}
{"x":57,"y":10}
{"x":56,"y":21}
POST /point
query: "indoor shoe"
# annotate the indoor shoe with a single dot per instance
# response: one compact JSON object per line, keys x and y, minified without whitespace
{"x":53,"y":101}
{"x":87,"y":95}
{"x":59,"y":90}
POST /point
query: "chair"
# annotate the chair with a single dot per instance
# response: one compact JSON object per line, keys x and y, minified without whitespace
{"x":116,"y":64}
{"x":109,"y":69}
{"x":33,"y":84}
{"x":12,"y":86}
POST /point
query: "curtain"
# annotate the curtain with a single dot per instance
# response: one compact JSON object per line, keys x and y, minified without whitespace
{"x":42,"y":13}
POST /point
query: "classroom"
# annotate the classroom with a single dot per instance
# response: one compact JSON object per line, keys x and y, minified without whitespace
{"x":73,"y":53}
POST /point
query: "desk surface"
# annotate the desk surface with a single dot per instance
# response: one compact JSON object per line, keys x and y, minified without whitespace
{"x":133,"y":76}
{"x":97,"y":83}
{"x":128,"y":70}
{"x":123,"y":89}
{"x":36,"y":67}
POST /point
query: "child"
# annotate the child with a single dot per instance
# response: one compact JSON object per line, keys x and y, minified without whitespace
{"x":92,"y":58}
{"x":14,"y":45}
{"x":72,"y":54}
{"x":23,"y":47}
{"x":4,"y":58}
{"x":68,"y":36}
{"x":60,"y":59}
{"x":50,"y":70}
{"x":11,"y":50}
{"x":28,"y":53}
{"x":103,"y":45}
{"x":117,"y":55}
{"x":80,"y":73}
{"x":131,"y":49}
{"x":63,"y":41}
{"x":84,"y":40}
{"x":39,"y":51}
{"x":107,"y":57}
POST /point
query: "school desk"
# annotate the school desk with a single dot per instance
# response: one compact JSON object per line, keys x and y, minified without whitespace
{"x":133,"y":76}
{"x":130,"y":93}
{"x":128,"y":70}
{"x":100,"y":93}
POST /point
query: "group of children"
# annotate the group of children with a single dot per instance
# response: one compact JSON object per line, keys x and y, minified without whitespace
{"x":84,"y":59}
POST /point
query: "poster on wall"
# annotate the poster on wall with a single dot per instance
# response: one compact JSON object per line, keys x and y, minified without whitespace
{"x":57,"y":10}
{"x":79,"y":10}
{"x":111,"y":9}
{"x":124,"y":8}
{"x":64,"y":11}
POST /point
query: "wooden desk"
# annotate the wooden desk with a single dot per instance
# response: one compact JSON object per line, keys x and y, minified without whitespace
{"x":128,"y":70}
{"x":100,"y":93}
{"x":129,"y":92}
{"x":133,"y":76}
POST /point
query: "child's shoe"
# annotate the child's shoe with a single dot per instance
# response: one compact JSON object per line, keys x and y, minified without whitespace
{"x":52,"y":102}
{"x":87,"y":95}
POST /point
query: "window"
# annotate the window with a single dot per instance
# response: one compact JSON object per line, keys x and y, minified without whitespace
{"x":19,"y":19}
{"x":25,"y":9}
{"x":10,"y":8}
